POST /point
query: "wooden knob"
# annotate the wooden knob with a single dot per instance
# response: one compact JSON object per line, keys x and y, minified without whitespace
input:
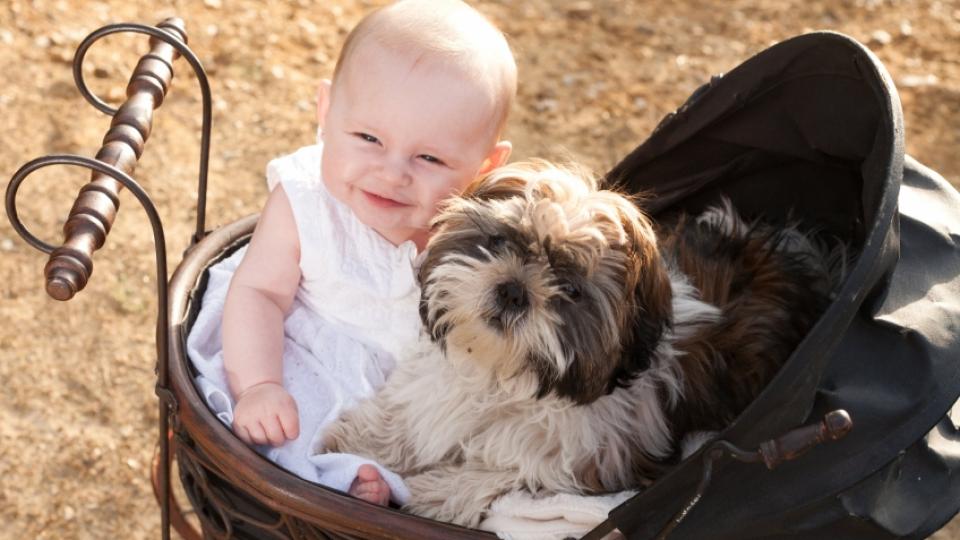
{"x":835,"y":425}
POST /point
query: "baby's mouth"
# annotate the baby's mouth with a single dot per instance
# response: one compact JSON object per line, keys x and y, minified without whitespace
{"x":382,"y":202}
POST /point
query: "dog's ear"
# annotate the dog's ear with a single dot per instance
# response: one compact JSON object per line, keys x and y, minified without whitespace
{"x":503,"y":183}
{"x":644,"y":313}
{"x":437,"y":330}
{"x":497,"y":185}
{"x":650,"y":309}
{"x":647,"y":313}
{"x":492,"y":188}
{"x":455,"y":229}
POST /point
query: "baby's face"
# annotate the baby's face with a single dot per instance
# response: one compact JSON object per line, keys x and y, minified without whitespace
{"x":400,"y":136}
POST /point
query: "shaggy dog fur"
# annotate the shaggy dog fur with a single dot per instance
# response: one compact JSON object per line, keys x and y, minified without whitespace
{"x":570,"y":345}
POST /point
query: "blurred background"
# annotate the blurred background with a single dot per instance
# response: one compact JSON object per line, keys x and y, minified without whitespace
{"x":77,"y":408}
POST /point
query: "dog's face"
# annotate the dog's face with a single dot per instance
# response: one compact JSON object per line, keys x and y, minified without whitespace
{"x":535,"y":273}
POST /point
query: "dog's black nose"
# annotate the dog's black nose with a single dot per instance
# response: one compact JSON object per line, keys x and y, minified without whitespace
{"x":512,"y":296}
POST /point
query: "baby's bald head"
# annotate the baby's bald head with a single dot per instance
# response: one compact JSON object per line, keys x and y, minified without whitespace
{"x":447,"y":33}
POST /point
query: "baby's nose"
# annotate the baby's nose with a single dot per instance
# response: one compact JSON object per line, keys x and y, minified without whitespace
{"x":395,"y":171}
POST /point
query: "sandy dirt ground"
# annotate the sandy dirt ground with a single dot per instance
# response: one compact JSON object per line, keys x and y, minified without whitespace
{"x":77,"y":408}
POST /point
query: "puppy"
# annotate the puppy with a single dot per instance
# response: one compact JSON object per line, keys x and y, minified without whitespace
{"x":570,"y":344}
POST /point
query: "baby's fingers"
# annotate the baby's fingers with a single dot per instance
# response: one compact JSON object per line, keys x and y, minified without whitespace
{"x":273,"y":430}
{"x":290,"y":423}
{"x":256,"y":432}
{"x":241,"y":427}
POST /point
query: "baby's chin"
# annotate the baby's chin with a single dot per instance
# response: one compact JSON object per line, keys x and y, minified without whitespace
{"x":395,"y":233}
{"x":393,"y":223}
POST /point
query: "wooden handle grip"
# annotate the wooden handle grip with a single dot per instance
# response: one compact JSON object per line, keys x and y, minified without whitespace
{"x":85,"y":231}
{"x":835,"y":425}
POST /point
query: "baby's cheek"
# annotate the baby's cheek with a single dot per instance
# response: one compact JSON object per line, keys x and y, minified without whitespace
{"x":439,"y":202}
{"x":337,"y":189}
{"x":438,"y":192}
{"x":421,"y":219}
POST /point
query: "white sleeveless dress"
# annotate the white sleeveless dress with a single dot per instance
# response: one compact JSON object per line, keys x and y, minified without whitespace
{"x":356,"y":310}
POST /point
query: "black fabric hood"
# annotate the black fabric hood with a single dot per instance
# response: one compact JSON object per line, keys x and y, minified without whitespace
{"x":812,"y":128}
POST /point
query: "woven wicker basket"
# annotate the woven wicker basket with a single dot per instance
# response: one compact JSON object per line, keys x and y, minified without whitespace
{"x":235,"y":491}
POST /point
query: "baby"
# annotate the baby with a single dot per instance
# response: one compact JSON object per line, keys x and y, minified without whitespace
{"x":414,"y":112}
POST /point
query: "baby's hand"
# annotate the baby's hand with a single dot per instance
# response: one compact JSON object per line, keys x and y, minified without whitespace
{"x":266,"y":413}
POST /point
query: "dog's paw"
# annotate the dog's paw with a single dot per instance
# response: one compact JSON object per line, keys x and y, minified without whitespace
{"x":443,"y":510}
{"x":457,"y":494}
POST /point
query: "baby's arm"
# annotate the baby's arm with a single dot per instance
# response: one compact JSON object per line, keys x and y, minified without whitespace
{"x":259,"y":297}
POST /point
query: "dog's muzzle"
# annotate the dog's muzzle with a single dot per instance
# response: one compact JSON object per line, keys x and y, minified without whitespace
{"x":512,"y":297}
{"x":510,"y":304}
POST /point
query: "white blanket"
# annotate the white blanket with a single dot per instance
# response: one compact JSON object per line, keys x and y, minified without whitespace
{"x":321,"y":388}
{"x":521,"y":516}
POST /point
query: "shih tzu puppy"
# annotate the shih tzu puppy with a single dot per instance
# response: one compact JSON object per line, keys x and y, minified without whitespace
{"x":570,"y":343}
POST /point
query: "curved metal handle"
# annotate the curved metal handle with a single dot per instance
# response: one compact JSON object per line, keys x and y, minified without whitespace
{"x":94,"y":210}
{"x":166,"y":401}
{"x":834,"y":426}
{"x":70,"y":265}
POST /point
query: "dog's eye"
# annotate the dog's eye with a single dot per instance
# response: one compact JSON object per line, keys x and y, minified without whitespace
{"x":570,"y":290}
{"x":496,"y":242}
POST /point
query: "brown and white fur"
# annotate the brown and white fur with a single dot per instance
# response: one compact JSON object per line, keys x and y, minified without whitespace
{"x":570,"y":345}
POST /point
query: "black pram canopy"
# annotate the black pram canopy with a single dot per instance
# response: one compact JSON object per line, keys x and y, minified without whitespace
{"x":812,"y":128}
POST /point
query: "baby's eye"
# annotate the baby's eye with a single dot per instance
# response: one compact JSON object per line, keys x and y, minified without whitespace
{"x":367,"y":137}
{"x":431,"y":159}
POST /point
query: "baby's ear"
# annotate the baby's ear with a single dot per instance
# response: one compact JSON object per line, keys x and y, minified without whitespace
{"x":497,"y":157}
{"x":323,"y":101}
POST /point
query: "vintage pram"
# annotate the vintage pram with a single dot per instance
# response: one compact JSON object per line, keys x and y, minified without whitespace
{"x":810,"y":127}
